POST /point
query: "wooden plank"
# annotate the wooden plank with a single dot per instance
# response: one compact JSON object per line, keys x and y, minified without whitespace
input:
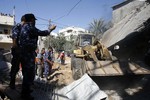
{"x":107,"y":65}
{"x":114,"y":68}
{"x":116,"y":64}
{"x":94,"y":69}
{"x":101,"y":67}
{"x":135,"y":69}
{"x":139,"y":69}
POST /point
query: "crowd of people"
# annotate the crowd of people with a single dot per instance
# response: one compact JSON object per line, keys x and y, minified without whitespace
{"x":44,"y":62}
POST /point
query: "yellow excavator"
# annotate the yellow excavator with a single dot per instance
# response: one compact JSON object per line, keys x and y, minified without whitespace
{"x":93,"y":58}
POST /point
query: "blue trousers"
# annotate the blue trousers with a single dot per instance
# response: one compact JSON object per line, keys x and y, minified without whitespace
{"x":28,"y":69}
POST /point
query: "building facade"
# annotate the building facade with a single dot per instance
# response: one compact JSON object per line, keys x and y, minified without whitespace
{"x":72,"y":31}
{"x":6,"y":24}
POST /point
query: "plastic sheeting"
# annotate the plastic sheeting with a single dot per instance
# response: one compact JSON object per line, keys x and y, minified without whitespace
{"x":84,"y":89}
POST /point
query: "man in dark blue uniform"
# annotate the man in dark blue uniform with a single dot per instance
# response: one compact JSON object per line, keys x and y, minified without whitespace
{"x":48,"y":61}
{"x":15,"y":50}
{"x":28,"y":44}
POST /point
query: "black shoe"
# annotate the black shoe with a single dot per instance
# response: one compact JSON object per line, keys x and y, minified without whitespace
{"x":31,"y":91}
{"x":12,"y":86}
{"x":27,"y":97}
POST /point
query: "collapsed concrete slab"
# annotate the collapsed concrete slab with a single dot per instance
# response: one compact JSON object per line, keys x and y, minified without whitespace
{"x":127,"y":18}
{"x":83,"y":89}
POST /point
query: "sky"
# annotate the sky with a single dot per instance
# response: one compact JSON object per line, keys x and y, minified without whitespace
{"x":62,"y":13}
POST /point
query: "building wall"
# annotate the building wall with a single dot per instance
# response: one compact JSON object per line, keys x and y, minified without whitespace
{"x":123,"y":9}
{"x":5,"y":29}
{"x":6,"y":23}
{"x":6,"y":19}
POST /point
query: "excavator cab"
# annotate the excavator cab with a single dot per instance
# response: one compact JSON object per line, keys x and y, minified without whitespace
{"x":85,"y":39}
{"x":82,"y":41}
{"x":87,"y":49}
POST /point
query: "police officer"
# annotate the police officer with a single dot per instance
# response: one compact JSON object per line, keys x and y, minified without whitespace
{"x":15,"y":50}
{"x":28,"y":44}
{"x":48,"y":61}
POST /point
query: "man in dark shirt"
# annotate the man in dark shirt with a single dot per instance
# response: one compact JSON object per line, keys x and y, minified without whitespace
{"x":15,"y":50}
{"x":28,"y":44}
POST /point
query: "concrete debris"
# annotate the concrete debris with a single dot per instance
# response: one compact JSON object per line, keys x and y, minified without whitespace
{"x":131,"y":91}
{"x":4,"y":70}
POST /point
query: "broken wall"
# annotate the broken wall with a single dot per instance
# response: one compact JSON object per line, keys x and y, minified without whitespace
{"x":123,"y":9}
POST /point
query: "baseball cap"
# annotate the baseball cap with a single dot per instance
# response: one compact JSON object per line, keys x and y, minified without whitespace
{"x":30,"y":16}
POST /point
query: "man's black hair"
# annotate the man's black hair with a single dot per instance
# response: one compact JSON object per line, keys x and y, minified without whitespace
{"x":23,"y":18}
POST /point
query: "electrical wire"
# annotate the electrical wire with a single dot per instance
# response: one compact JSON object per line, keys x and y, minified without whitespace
{"x":48,"y":25}
{"x":73,"y":7}
{"x":53,"y":21}
{"x":69,"y":11}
